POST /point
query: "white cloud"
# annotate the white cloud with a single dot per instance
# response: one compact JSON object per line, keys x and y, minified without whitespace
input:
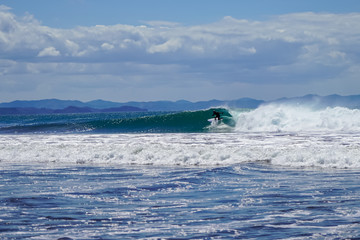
{"x":4,"y":8}
{"x":107,"y":46}
{"x":288,"y":49}
{"x":49,"y":52}
{"x":71,"y":48}
{"x":169,"y":46}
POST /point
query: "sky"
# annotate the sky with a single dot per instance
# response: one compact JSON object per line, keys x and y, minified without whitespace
{"x":148,"y":50}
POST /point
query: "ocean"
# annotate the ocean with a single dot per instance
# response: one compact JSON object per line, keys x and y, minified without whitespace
{"x":275,"y":172}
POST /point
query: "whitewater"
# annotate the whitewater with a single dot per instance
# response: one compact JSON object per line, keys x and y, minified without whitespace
{"x":275,"y":172}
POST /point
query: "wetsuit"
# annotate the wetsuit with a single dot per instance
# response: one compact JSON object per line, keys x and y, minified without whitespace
{"x":217,"y":115}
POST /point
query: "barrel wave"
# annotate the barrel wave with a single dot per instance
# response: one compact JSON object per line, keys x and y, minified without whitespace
{"x":187,"y":121}
{"x":156,"y":122}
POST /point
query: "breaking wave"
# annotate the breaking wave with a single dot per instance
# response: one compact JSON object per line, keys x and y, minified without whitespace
{"x":287,"y":118}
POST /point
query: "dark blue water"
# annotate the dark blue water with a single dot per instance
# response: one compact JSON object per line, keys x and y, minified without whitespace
{"x":247,"y":201}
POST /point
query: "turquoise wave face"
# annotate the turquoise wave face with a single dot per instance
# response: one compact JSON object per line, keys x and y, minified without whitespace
{"x":157,"y":122}
{"x":188,"y":121}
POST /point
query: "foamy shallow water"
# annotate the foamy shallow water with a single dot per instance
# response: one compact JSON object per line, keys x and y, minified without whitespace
{"x":302,"y":149}
{"x":185,"y":186}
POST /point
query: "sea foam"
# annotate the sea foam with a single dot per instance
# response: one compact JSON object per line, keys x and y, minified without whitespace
{"x":332,"y":150}
{"x":274,"y":117}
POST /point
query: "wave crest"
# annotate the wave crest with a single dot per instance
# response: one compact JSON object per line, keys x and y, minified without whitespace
{"x":278,"y":118}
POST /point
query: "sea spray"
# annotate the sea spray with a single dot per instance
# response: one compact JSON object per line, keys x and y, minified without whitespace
{"x":293,"y":118}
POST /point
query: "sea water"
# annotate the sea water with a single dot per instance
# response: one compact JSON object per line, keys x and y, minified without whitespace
{"x":275,"y":172}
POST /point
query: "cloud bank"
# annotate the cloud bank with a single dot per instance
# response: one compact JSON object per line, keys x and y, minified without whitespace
{"x":285,"y":55}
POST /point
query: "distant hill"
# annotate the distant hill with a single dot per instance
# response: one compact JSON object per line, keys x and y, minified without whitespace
{"x":180,"y":105}
{"x":46,"y":103}
{"x":71,"y":106}
{"x":70,"y":109}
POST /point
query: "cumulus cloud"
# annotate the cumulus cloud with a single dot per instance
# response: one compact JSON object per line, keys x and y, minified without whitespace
{"x":284,"y":50}
{"x":49,"y":52}
{"x":171,"y":45}
{"x":107,"y":46}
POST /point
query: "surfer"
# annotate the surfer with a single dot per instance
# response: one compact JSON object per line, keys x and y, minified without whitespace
{"x":217,"y":115}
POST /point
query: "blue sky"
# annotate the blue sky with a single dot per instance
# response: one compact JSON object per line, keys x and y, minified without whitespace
{"x":144,"y":50}
{"x":72,"y":13}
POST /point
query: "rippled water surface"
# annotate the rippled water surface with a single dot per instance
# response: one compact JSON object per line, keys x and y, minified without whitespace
{"x":247,"y":201}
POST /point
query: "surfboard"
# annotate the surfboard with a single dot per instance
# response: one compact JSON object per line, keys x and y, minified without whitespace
{"x":214,"y":121}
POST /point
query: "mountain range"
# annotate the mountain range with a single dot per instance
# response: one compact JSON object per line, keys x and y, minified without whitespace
{"x":74,"y":106}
